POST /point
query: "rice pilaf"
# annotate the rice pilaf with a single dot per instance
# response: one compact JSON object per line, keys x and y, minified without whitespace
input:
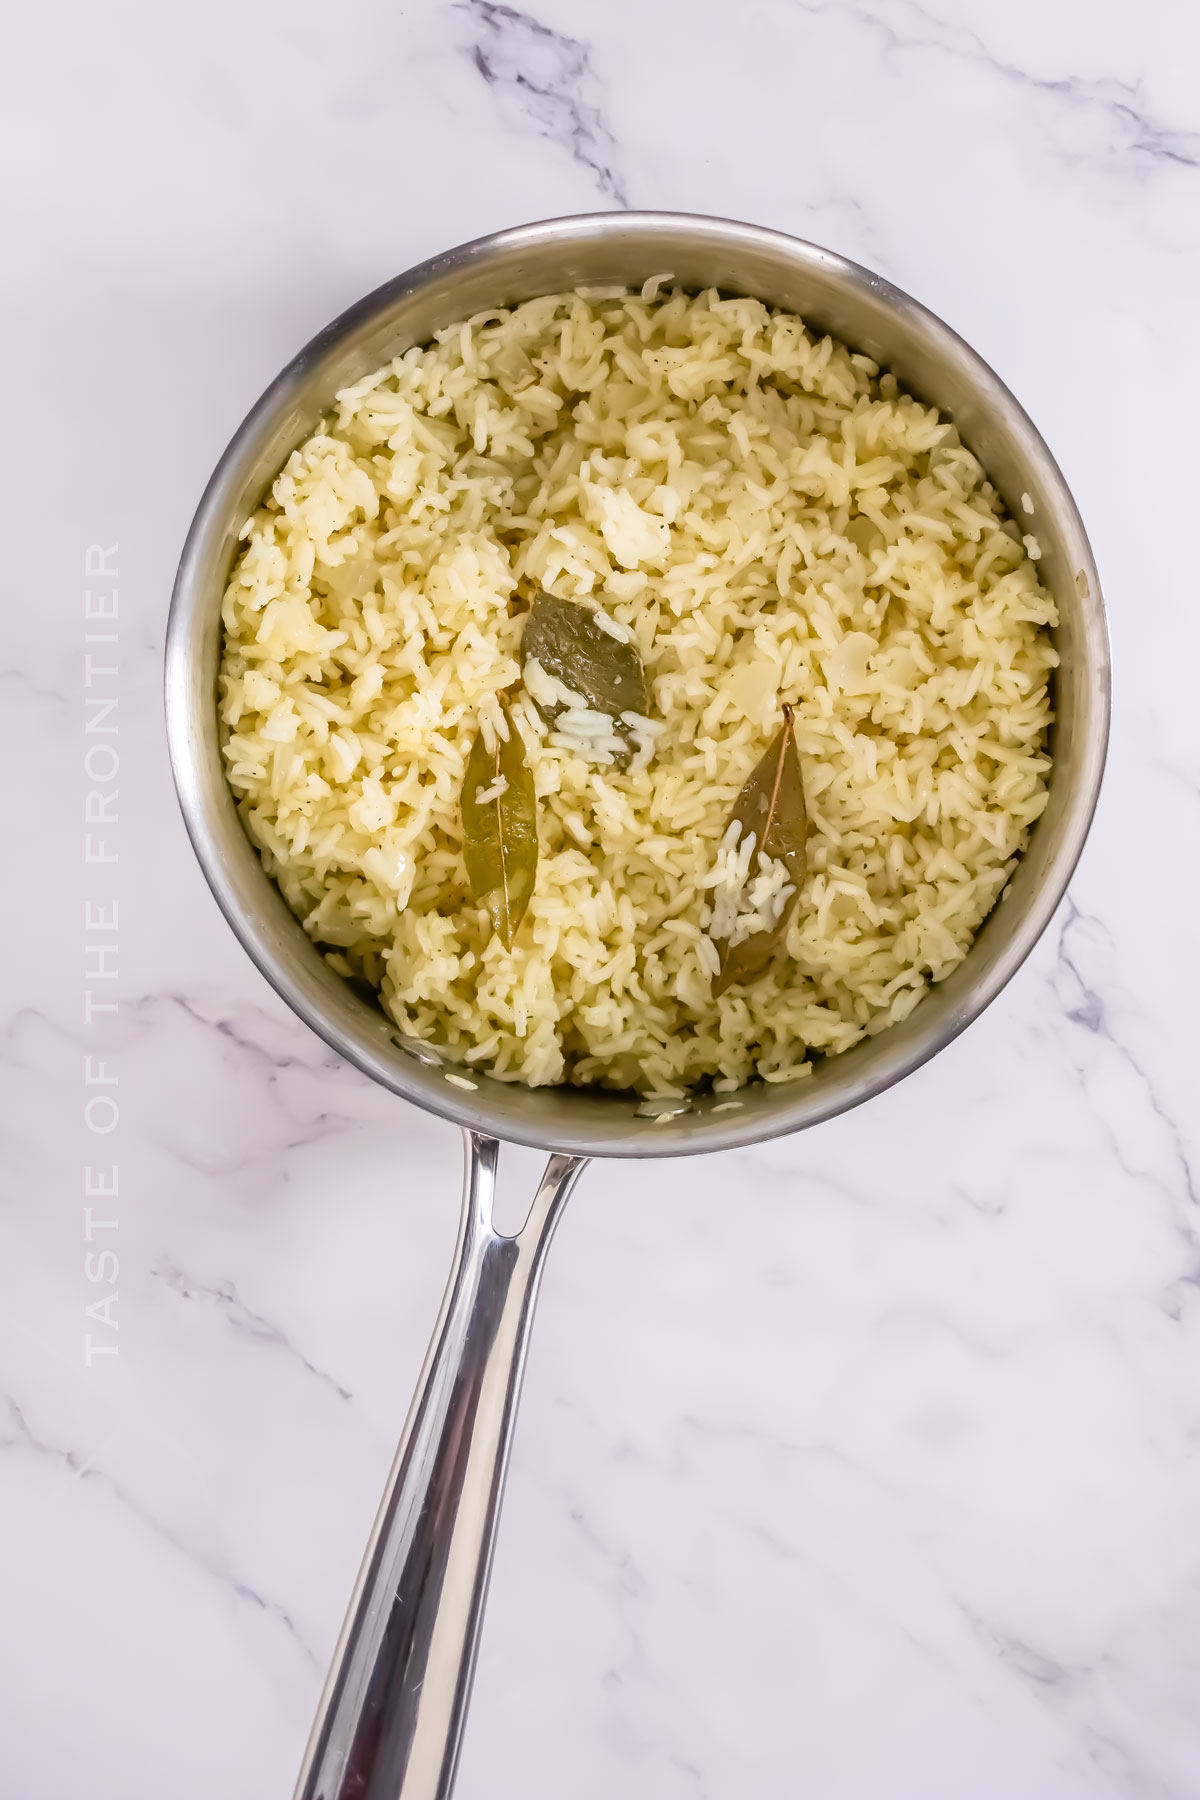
{"x":772,"y":522}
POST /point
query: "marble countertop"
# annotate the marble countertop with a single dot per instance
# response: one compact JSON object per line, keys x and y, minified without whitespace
{"x":861,"y":1466}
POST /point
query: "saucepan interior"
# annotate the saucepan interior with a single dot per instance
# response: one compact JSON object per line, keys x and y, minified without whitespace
{"x":832,"y":294}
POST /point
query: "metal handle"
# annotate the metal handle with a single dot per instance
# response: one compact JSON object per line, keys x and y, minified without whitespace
{"x":391,"y":1717}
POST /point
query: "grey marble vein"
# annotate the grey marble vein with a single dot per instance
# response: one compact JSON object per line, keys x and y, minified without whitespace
{"x":242,"y":1319}
{"x":249,"y":1031}
{"x":1063,"y":1690}
{"x":21,"y":1438}
{"x":1030,"y":1664}
{"x":22,"y":682}
{"x":1084,"y":1006}
{"x":1138,"y":138}
{"x":546,"y":79}
{"x":625,"y":1585}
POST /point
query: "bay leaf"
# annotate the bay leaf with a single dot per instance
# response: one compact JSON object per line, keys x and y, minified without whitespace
{"x":771,"y":805}
{"x":573,"y":646}
{"x":500,"y":835}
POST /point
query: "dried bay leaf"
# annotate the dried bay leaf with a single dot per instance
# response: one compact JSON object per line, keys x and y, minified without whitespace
{"x":571,"y":643}
{"x":771,"y":805}
{"x":500,"y":835}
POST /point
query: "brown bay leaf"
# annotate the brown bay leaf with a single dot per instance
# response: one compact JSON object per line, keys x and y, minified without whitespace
{"x":771,"y":805}
{"x":500,"y":834}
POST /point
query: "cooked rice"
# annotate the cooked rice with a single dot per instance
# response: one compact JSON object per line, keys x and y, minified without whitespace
{"x":749,"y":892}
{"x":773,"y":521}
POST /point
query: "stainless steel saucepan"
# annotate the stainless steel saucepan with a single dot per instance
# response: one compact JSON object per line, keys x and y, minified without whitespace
{"x":391,"y":1718}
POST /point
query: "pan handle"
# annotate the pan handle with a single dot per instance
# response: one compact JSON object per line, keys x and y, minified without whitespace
{"x":392,"y":1713}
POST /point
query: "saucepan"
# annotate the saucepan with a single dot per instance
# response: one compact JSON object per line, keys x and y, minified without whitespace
{"x":391,"y":1718}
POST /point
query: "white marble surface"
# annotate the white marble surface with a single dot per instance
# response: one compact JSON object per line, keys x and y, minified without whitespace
{"x":861,"y":1466}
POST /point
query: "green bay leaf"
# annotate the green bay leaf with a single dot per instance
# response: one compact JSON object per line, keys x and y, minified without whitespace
{"x":571,"y":644}
{"x":500,"y":835}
